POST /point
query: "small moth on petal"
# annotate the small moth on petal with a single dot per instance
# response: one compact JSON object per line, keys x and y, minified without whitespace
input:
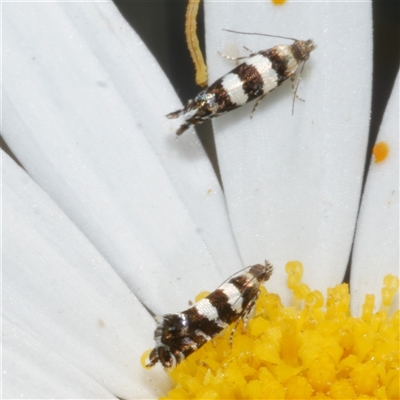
{"x":179,"y":335}
{"x":257,"y":75}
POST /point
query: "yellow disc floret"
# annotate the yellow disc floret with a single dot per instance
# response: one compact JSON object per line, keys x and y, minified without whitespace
{"x":313,"y":350}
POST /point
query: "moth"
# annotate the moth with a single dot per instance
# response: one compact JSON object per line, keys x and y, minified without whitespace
{"x":257,"y":75}
{"x":179,"y":335}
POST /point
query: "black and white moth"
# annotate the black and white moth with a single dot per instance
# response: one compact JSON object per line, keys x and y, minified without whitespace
{"x":255,"y":77}
{"x":179,"y":335}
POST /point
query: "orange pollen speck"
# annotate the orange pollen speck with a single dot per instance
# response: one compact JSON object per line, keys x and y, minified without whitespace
{"x":278,"y":2}
{"x":381,"y":151}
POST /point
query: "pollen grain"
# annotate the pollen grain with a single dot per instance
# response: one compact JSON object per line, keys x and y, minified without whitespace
{"x":380,"y":151}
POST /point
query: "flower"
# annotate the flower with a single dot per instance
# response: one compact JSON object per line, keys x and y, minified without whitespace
{"x":313,"y":349}
{"x":112,"y":212}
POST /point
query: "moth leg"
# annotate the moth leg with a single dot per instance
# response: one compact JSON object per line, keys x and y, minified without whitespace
{"x":234,"y":59}
{"x":257,"y":103}
{"x":297,"y":86}
{"x":294,"y":87}
{"x":233,"y":331}
{"x":250,"y":51}
{"x":245,"y":317}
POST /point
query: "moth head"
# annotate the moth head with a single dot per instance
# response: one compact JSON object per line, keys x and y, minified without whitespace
{"x":302,"y":49}
{"x":261,"y":272}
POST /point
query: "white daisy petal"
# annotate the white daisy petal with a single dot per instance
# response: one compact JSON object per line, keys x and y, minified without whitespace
{"x":84,"y":106}
{"x":31,"y":370}
{"x":376,"y":247}
{"x":293,"y":183}
{"x":60,"y":291}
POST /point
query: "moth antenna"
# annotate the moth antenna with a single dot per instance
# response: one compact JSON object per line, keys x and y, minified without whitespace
{"x":297,"y":86}
{"x":259,"y":34}
{"x":231,"y":276}
{"x":236,"y":273}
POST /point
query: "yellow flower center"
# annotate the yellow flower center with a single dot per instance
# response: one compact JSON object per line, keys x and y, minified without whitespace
{"x":300,"y":352}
